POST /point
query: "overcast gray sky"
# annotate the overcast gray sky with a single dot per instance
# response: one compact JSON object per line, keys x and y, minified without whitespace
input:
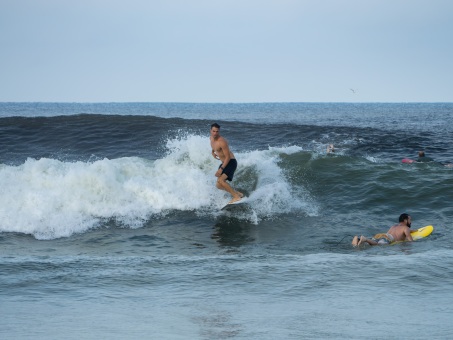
{"x":226,"y":50}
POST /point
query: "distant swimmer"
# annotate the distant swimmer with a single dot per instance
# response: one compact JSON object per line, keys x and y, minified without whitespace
{"x":330,"y":148}
{"x":422,"y":158}
{"x":398,"y":232}
{"x":225,"y":172}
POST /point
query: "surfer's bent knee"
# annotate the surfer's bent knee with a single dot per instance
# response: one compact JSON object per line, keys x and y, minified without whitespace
{"x":221,"y":181}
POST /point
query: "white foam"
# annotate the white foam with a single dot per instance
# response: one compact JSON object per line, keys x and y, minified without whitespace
{"x":372,"y":159}
{"x":274,"y":193}
{"x":50,"y":198}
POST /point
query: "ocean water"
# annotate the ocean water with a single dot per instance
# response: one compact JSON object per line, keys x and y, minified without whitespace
{"x":110,"y":222}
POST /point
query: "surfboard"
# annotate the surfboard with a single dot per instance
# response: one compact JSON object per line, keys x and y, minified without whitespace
{"x":407,"y":160}
{"x":422,"y":232}
{"x":229,"y":206}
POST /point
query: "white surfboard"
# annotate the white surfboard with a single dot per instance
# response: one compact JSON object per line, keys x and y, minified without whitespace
{"x":229,"y":206}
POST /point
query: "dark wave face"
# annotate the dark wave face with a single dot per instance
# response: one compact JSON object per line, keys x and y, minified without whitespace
{"x":83,"y":137}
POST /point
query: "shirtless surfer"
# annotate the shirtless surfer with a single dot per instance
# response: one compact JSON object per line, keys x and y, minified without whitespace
{"x":399,"y":232}
{"x":221,"y":151}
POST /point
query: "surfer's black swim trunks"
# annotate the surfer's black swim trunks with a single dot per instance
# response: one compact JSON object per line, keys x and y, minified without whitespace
{"x":230,"y":169}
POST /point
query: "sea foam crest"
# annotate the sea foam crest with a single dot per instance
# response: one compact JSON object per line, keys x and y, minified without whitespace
{"x":51,"y":198}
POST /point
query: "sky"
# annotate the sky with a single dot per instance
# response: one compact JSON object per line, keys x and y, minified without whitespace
{"x":226,"y":51}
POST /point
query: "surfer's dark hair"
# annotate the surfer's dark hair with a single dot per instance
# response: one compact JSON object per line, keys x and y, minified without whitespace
{"x":215,"y":125}
{"x":403,"y":217}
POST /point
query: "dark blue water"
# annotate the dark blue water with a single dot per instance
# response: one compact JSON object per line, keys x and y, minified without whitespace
{"x":111,"y":223}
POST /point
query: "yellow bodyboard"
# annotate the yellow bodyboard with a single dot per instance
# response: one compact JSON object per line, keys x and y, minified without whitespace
{"x":422,"y":232}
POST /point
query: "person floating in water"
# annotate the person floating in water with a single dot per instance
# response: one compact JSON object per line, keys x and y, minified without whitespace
{"x":398,"y":232}
{"x":330,"y":148}
{"x":225,"y":172}
{"x":422,"y":158}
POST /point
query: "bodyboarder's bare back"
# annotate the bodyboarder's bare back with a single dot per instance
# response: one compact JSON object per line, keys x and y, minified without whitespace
{"x":400,"y":232}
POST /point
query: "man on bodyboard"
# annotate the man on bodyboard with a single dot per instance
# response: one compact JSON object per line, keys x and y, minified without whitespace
{"x":396,"y":233}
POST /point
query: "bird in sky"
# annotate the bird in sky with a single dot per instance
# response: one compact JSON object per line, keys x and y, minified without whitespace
{"x":353,"y":91}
